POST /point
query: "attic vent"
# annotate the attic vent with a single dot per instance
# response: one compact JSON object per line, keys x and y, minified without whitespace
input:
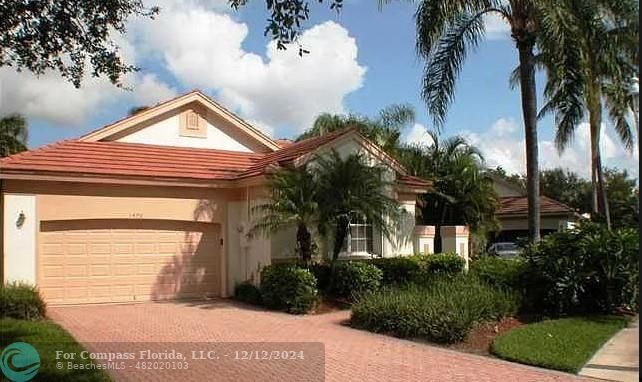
{"x":192,"y":125}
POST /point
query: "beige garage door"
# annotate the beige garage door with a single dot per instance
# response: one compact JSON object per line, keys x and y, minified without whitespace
{"x":114,"y":260}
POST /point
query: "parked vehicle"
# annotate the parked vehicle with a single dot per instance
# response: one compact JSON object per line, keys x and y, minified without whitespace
{"x":504,"y":250}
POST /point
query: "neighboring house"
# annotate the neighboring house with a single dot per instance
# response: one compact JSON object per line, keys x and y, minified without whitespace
{"x":157,"y":206}
{"x":513,"y":213}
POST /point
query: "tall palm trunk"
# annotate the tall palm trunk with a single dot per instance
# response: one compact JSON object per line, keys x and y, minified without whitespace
{"x":599,"y":203}
{"x":529,"y":111}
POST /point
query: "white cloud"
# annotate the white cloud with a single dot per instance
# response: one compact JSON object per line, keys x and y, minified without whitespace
{"x":503,"y":145}
{"x":50,"y":97}
{"x":418,"y":135}
{"x":496,"y":27}
{"x":203,"y":48}
{"x":201,"y":45}
{"x":149,"y":91}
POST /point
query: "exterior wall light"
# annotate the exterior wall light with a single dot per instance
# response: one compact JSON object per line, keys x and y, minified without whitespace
{"x":21,"y":219}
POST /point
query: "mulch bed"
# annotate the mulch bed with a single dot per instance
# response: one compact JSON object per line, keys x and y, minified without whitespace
{"x":329,"y":305}
{"x":481,"y":337}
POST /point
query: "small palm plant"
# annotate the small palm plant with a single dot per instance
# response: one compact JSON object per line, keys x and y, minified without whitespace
{"x":293,"y":203}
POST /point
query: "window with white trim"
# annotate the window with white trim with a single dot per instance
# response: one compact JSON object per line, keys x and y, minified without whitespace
{"x":360,"y":237}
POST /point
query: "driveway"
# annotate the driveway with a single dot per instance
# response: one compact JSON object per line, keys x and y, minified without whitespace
{"x":350,"y":355}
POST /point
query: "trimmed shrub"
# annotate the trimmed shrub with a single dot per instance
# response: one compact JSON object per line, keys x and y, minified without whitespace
{"x":321,"y":272}
{"x":248,"y":293}
{"x":397,"y":270}
{"x":503,"y":273}
{"x":444,"y":311}
{"x":444,"y":264}
{"x":585,"y":270}
{"x":289,"y":288}
{"x":352,"y":278}
{"x":21,"y":301}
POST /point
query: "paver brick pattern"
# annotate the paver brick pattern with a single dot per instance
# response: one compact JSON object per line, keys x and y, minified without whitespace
{"x":350,"y":354}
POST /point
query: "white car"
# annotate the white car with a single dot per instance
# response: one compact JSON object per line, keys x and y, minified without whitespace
{"x":506,"y":250}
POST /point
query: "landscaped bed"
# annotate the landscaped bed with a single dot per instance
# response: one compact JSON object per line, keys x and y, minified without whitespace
{"x":564,"y":344}
{"x":48,"y":338}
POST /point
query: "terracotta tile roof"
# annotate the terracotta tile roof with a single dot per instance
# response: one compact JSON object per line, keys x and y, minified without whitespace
{"x":292,"y":152}
{"x":141,"y":160}
{"x":414,"y":181}
{"x":130,"y":159}
{"x":518,"y":206}
{"x":283,"y":142}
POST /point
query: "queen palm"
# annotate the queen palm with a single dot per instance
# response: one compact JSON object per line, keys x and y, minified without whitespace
{"x":351,"y":190}
{"x":13,"y":135}
{"x":447,"y":30}
{"x":592,"y":67}
{"x":462,"y":192}
{"x":293,"y":203}
{"x":384,"y":130}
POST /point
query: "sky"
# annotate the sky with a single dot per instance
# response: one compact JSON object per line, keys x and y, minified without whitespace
{"x":360,"y":61}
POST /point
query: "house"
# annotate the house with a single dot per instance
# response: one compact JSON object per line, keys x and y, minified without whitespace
{"x":157,"y":206}
{"x":513,"y":213}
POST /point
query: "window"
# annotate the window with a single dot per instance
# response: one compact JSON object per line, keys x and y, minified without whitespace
{"x":360,"y":237}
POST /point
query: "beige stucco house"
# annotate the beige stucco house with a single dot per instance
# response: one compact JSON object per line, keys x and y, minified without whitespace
{"x":158,"y":205}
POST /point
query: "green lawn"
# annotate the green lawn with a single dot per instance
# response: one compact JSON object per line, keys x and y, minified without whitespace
{"x":565,"y":344}
{"x":47,"y":338}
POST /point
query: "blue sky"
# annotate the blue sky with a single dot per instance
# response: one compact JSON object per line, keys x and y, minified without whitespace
{"x":371,"y":64}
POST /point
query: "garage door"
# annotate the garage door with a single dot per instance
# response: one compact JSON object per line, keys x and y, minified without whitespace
{"x":114,"y":260}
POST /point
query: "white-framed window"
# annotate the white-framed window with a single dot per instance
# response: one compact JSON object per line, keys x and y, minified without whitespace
{"x":360,"y":238}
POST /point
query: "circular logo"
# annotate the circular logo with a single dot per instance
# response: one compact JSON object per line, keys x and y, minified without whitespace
{"x":20,"y":362}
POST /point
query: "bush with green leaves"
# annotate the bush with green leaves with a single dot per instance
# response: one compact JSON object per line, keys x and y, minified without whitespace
{"x":444,"y":311}
{"x":441,"y":263}
{"x":21,"y":301}
{"x":289,"y":288}
{"x":497,"y":271}
{"x":397,"y":270}
{"x":585,"y":270}
{"x":248,"y":293}
{"x":353,"y":278}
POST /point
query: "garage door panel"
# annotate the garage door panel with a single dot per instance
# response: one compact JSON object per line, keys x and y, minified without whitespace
{"x":127,"y":260}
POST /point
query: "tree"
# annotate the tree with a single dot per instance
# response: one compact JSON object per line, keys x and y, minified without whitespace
{"x":567,"y":187}
{"x":447,"y":30}
{"x":67,"y":35}
{"x":384,"y":130}
{"x":462,"y":192}
{"x":13,"y":135}
{"x":293,"y":203}
{"x":350,"y":190}
{"x":593,"y":66}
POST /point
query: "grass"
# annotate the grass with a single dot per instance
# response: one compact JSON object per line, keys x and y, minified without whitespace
{"x":47,"y":338}
{"x":564,"y":344}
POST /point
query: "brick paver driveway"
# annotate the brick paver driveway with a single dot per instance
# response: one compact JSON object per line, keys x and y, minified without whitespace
{"x":350,"y":355}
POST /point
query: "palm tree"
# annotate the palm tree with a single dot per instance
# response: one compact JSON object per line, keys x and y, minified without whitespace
{"x":351,"y":190}
{"x":592,"y":67}
{"x":292,"y":204}
{"x":462,"y":192}
{"x":384,"y":130}
{"x":447,"y":30}
{"x":13,"y":135}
